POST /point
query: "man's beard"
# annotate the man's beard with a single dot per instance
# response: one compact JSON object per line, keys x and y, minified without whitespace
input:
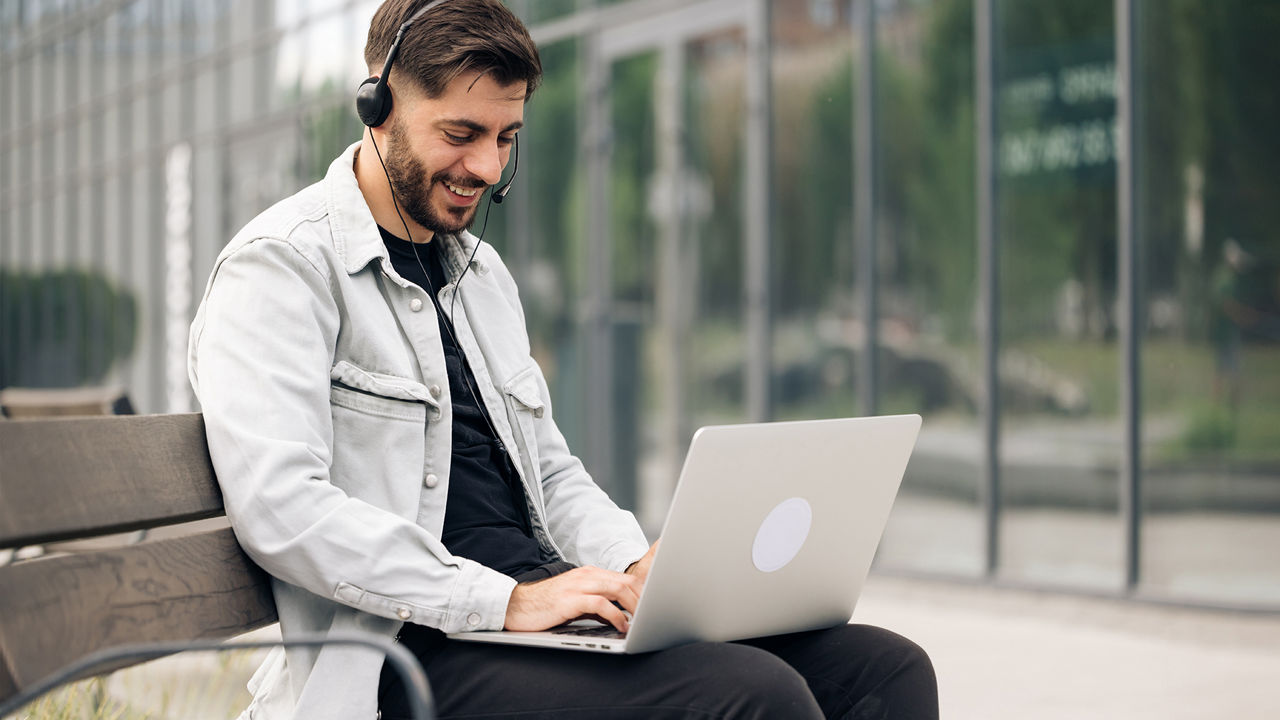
{"x":414,"y":195}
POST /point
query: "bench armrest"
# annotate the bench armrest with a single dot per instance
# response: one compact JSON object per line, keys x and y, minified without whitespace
{"x":420,"y":701}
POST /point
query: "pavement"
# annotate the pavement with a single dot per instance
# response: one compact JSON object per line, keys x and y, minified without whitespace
{"x":1005,"y":653}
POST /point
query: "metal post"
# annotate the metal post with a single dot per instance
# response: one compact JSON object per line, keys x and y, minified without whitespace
{"x":520,"y":218}
{"x":1128,"y":237}
{"x":599,"y":286}
{"x":673,"y":308}
{"x":866,"y":249}
{"x":985,"y":75}
{"x":757,"y":213}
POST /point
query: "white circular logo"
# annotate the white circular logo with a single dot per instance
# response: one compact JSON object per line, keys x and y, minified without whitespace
{"x":782,"y":534}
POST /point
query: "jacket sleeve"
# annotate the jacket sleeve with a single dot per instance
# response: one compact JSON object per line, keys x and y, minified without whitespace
{"x":582,"y":519}
{"x":261,"y":350}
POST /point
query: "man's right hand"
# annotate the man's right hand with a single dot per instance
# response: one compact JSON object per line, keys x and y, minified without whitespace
{"x":585,"y":592}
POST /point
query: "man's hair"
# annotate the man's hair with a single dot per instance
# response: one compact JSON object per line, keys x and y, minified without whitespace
{"x":455,"y":37}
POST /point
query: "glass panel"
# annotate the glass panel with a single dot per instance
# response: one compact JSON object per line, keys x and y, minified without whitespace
{"x":1058,"y":360}
{"x":286,"y":64}
{"x":535,"y":11}
{"x":328,"y":60}
{"x":1211,"y":358}
{"x":712,"y":183}
{"x":638,"y":400}
{"x":815,"y":323}
{"x":928,"y":346}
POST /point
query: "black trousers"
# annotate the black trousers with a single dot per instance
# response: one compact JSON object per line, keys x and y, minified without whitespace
{"x":850,"y":671}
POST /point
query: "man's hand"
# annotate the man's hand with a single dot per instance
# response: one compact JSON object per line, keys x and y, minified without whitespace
{"x":640,"y":568}
{"x":585,"y":592}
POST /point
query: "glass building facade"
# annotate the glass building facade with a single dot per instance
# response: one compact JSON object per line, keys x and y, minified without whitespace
{"x":1050,"y":228}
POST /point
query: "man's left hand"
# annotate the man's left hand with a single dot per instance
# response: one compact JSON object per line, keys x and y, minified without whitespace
{"x":640,"y":568}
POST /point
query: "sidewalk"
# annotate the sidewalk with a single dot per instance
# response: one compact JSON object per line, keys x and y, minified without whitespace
{"x":1005,"y":654}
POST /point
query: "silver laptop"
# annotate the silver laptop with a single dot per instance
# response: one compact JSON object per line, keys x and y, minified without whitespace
{"x":772,"y":530}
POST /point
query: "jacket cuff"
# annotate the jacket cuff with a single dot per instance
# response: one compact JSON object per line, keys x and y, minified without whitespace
{"x":479,"y":599}
{"x":619,"y":556}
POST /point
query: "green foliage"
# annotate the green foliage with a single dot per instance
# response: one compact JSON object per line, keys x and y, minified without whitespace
{"x":1210,"y":428}
{"x":62,"y":328}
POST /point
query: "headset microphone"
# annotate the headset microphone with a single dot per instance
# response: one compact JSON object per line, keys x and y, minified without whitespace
{"x":501,"y":193}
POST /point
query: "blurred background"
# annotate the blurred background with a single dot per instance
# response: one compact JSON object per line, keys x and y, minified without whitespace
{"x":1052,"y":228}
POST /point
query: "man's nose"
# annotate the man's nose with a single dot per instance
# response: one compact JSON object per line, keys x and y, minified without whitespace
{"x":485,"y":162}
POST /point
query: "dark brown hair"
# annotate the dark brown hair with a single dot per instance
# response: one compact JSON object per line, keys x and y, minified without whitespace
{"x":455,"y":37}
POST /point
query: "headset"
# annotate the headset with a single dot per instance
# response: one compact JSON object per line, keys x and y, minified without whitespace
{"x":373,"y":99}
{"x":373,"y":105}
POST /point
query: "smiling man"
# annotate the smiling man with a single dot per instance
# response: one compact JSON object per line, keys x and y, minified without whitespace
{"x":386,"y":447}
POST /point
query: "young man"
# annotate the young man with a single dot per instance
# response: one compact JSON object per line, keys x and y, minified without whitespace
{"x":387,"y":450}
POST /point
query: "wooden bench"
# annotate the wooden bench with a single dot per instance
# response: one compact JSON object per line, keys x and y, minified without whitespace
{"x":65,"y":616}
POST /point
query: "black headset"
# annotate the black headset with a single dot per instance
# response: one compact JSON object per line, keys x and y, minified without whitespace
{"x":373,"y":98}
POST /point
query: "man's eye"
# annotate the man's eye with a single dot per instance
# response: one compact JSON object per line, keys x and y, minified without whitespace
{"x":506,"y":140}
{"x":456,"y":139}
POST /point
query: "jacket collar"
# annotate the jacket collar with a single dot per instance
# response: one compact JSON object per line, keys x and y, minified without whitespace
{"x":355,"y":233}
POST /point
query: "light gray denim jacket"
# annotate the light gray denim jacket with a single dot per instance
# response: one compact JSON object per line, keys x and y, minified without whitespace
{"x":322,"y":381}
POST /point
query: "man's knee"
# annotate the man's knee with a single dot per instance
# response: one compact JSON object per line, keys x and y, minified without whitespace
{"x":904,"y":655}
{"x":898,"y":678}
{"x":745,"y":682}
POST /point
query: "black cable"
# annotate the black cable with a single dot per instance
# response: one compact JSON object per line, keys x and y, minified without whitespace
{"x":457,"y":287}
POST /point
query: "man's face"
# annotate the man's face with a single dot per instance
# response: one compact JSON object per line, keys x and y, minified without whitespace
{"x":443,"y":152}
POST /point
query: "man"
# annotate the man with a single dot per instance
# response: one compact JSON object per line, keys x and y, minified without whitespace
{"x":386,"y":447}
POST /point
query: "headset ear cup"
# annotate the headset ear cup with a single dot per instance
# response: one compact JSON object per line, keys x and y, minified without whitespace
{"x":373,"y":102}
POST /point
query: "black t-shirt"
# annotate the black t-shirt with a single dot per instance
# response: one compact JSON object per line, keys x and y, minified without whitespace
{"x":486,"y":518}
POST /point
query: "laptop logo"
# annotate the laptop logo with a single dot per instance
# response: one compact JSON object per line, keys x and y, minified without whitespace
{"x":782,"y":534}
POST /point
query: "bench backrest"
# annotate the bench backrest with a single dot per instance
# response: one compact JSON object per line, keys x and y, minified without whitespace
{"x":69,"y":479}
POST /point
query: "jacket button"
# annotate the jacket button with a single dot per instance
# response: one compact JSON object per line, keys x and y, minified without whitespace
{"x":415,"y":304}
{"x":473,"y":619}
{"x":431,"y":480}
{"x":404,"y":613}
{"x":435,"y":391}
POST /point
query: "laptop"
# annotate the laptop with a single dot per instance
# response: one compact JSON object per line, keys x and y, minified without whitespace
{"x":772,"y":529}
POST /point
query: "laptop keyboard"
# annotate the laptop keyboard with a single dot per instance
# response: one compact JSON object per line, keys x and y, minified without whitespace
{"x":600,"y":631}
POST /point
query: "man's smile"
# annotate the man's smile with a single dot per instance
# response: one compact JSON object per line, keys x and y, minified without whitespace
{"x":464,"y":192}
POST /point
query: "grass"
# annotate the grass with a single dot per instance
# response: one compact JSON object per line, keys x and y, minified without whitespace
{"x":192,"y":686}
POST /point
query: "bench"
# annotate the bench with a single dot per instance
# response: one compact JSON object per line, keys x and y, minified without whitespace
{"x":66,"y":616}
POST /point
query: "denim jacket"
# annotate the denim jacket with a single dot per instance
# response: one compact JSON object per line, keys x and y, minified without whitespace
{"x":322,"y":381}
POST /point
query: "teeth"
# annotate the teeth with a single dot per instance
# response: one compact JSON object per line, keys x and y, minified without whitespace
{"x":464,"y":192}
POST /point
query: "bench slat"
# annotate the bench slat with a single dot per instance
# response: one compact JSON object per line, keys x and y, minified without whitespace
{"x":56,"y":609}
{"x":8,"y":686}
{"x":69,"y":479}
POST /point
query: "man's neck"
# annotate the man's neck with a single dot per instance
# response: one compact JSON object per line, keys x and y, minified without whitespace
{"x":376,"y":189}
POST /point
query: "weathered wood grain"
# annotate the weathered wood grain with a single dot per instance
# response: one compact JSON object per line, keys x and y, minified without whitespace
{"x":8,"y":686}
{"x":73,"y":478}
{"x":55,"y":610}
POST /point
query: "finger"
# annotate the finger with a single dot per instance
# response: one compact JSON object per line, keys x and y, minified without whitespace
{"x":608,"y":612}
{"x":618,"y":588}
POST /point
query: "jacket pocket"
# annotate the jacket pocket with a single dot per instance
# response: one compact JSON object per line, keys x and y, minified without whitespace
{"x":379,"y":394}
{"x":524,"y":406}
{"x":523,"y":388}
{"x":379,"y":436}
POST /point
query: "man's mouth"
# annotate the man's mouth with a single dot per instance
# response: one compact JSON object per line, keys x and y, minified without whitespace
{"x":464,"y":192}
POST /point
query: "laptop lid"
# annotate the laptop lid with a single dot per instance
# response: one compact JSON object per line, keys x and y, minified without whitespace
{"x":772,"y":528}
